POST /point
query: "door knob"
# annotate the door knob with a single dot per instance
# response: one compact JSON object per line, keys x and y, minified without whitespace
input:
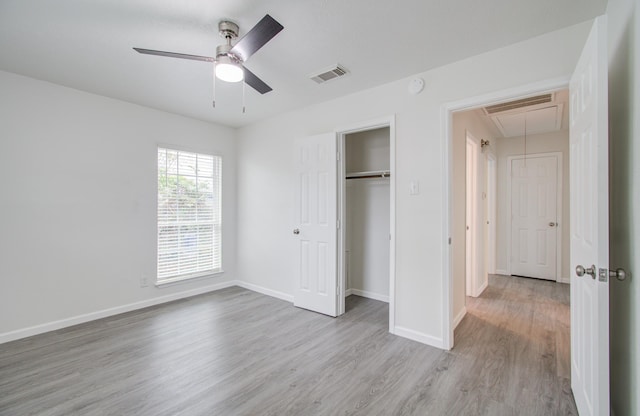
{"x":619,"y":274}
{"x":296,"y":231}
{"x":552,"y":224}
{"x":581,"y":271}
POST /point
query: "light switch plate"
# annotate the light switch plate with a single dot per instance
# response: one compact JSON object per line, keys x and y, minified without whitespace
{"x":414,"y":188}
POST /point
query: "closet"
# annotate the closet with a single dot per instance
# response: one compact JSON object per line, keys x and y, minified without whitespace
{"x":367,"y":209}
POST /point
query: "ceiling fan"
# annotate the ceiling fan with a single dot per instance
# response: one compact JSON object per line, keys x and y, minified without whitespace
{"x":229,"y":59}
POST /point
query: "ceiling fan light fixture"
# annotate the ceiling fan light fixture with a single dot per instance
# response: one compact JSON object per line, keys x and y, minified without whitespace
{"x":228,"y":70}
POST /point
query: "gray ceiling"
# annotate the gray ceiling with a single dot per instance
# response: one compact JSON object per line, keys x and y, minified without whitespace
{"x":87,"y":45}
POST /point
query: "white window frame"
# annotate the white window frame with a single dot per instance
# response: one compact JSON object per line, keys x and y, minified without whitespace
{"x":211,"y":265}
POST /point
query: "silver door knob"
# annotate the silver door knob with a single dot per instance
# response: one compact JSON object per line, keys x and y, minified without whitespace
{"x":581,"y":271}
{"x":552,"y":224}
{"x":619,"y":274}
{"x":296,"y":231}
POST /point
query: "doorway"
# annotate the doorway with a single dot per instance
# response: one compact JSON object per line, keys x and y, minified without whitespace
{"x":490,"y":211}
{"x":366,"y":201}
{"x":534,"y":189}
{"x":367,"y":222}
{"x":321,"y":215}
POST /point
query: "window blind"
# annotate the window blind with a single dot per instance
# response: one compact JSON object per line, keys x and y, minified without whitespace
{"x":189,"y":215}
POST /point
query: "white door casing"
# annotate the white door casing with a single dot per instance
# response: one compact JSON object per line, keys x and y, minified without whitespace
{"x":471,"y":210}
{"x":590,"y":225}
{"x":491,"y":214}
{"x":316,"y":221}
{"x":534,"y":182}
{"x":447,"y":112}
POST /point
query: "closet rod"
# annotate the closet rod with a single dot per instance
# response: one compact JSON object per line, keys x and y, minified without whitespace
{"x":365,"y":175}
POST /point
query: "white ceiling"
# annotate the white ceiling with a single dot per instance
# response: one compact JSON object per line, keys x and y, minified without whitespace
{"x":86,"y":44}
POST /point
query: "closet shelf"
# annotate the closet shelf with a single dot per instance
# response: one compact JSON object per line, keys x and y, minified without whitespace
{"x":369,"y":174}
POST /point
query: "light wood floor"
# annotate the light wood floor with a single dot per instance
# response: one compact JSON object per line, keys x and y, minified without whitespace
{"x":236,"y":352}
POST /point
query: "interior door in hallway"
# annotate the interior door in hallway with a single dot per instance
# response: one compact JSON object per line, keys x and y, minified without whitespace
{"x":589,"y":167}
{"x":534,"y":207}
{"x":316,"y":224}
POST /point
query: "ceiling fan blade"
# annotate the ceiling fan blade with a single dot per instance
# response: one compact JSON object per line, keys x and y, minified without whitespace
{"x":254,"y":82}
{"x":255,"y":39}
{"x":175,"y":55}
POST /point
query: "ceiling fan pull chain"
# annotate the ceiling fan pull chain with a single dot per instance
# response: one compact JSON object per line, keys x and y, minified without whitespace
{"x":214,"y":84}
{"x":243,"y":108}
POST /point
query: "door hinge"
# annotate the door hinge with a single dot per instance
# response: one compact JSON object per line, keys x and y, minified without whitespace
{"x":337,"y":155}
{"x":449,"y":240}
{"x":338,"y":224}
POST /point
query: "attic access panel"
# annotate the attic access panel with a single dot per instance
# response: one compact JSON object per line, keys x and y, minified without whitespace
{"x":541,"y":120}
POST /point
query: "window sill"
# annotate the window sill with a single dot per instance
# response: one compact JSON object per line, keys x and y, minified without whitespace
{"x":189,"y":278}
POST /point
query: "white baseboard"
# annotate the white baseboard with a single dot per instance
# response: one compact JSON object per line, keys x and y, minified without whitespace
{"x":418,"y":336}
{"x":459,"y":317}
{"x":481,"y":288}
{"x":502,"y":272}
{"x":264,"y":291}
{"x":566,"y":280}
{"x":92,"y":316}
{"x":366,"y":294}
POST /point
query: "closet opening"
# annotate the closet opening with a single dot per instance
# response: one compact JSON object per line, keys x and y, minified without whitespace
{"x":365,"y":194}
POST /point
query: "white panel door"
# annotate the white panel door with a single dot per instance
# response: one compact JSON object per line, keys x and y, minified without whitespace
{"x":590,"y":226}
{"x":534,"y":193}
{"x":316,"y":224}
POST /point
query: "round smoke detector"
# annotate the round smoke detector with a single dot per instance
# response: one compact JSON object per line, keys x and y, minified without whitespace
{"x":416,"y":86}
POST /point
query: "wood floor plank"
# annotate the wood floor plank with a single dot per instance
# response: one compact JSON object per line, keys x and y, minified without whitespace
{"x":236,"y":352}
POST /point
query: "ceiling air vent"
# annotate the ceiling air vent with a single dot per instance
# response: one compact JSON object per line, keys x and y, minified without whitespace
{"x":329,"y":74}
{"x":524,"y":102}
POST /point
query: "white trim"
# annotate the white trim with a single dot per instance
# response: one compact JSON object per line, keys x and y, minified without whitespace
{"x":418,"y":336}
{"x":446,"y":126}
{"x":189,"y":149}
{"x":392,"y":223}
{"x":492,"y":195}
{"x":472,"y":234}
{"x":367,"y":294}
{"x":502,"y":272}
{"x":446,"y":118}
{"x":566,"y":280}
{"x":187,"y":278}
{"x":264,"y":291}
{"x":341,"y":259}
{"x":341,"y":132}
{"x":559,"y":179}
{"x":482,"y":288}
{"x":92,"y":316}
{"x":458,"y":319}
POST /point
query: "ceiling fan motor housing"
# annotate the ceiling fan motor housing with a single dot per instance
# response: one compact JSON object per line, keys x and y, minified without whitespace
{"x":223,"y":51}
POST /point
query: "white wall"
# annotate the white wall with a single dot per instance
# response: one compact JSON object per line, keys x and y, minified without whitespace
{"x":538,"y":143}
{"x":78,"y":202}
{"x":265,"y":170}
{"x":624,"y":191}
{"x":367,"y":218}
{"x":468,"y":122}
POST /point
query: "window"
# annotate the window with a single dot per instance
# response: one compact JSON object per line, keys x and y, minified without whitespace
{"x":189,"y":215}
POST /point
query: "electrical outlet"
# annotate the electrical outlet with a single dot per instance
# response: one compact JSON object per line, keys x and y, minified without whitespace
{"x":144,"y":282}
